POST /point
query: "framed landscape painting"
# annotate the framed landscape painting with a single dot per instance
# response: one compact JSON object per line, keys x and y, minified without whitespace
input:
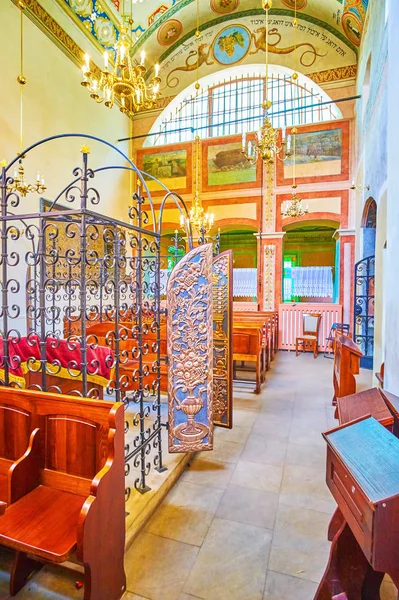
{"x":322,"y":154}
{"x":172,"y":165}
{"x":225,"y":166}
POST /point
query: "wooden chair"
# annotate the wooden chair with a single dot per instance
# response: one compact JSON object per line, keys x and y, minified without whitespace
{"x":67,"y":492}
{"x":311,"y":325}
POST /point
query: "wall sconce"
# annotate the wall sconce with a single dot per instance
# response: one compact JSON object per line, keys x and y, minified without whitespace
{"x":359,"y":188}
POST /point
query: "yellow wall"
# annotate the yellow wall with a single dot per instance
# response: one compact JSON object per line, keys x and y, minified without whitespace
{"x":55,"y":102}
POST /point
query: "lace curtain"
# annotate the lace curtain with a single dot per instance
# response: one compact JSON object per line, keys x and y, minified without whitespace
{"x":312,"y":282}
{"x":245,"y":282}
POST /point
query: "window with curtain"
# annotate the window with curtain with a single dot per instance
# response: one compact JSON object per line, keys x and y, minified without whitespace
{"x":312,"y":282}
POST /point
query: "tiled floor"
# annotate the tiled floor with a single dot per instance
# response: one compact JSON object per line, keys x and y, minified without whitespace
{"x":247,"y":521}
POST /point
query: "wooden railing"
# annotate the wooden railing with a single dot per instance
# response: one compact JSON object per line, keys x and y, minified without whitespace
{"x":290,"y":322}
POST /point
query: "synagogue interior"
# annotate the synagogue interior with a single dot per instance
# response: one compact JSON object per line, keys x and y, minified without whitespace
{"x":199,"y":333}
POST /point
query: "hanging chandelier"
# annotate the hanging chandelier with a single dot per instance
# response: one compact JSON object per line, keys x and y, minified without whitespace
{"x":123,"y":82}
{"x":18,"y":183}
{"x":293,"y":208}
{"x":267,"y":144}
{"x":200,"y":220}
{"x":21,"y":187}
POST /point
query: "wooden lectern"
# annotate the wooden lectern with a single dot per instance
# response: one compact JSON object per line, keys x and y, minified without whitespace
{"x":363,"y":477}
{"x":363,"y":404}
{"x":346,"y":365}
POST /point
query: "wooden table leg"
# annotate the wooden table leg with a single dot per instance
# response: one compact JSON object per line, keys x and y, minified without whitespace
{"x":22,"y":568}
{"x":347,"y":570}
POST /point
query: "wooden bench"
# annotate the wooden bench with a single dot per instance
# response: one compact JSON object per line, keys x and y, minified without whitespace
{"x":15,"y":431}
{"x":67,"y":492}
{"x":104,"y":335}
{"x":270,"y":322}
{"x":346,"y":365}
{"x":248,"y":347}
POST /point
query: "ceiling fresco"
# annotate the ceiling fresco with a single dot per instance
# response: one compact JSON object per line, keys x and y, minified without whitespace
{"x":232,"y":34}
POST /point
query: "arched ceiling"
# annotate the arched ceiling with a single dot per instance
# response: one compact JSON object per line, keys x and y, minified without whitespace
{"x":233,"y":32}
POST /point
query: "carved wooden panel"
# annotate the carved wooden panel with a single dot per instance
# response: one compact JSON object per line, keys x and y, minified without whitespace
{"x":190,"y":390}
{"x":222,"y":339}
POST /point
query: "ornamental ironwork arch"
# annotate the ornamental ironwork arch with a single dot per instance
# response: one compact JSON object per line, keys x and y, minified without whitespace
{"x":90,"y":321}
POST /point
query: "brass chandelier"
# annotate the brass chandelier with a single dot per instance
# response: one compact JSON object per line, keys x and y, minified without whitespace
{"x":123,"y":82}
{"x":267,"y":145}
{"x":200,"y":220}
{"x":18,"y":184}
{"x":293,"y":208}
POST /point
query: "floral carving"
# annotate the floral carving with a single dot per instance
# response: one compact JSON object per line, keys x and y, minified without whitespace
{"x":189,"y":297}
{"x":222,"y":331}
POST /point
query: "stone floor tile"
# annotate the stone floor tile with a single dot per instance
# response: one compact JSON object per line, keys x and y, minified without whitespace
{"x":301,"y":434}
{"x":388,"y":591}
{"x":227,"y":452}
{"x":247,"y":505}
{"x":264,"y":450}
{"x":52,"y":581}
{"x":257,"y":476}
{"x":130,"y":596}
{"x":305,"y":487}
{"x":157,"y":568}
{"x":284,"y":587}
{"x":315,"y":418}
{"x":272,"y":426}
{"x":231,"y":563}
{"x":203,"y":471}
{"x":238,"y":435}
{"x":300,"y":547}
{"x":245,"y":418}
{"x":184,"y":596}
{"x":306,"y":455}
{"x":186,"y":513}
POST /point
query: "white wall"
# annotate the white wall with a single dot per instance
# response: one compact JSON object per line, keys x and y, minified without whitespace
{"x":392,"y":287}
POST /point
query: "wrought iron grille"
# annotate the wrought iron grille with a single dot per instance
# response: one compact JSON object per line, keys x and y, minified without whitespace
{"x":90,"y":321}
{"x":364,"y":309}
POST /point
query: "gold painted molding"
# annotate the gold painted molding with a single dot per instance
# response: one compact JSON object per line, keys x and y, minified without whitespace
{"x":49,"y":26}
{"x":330,"y":75}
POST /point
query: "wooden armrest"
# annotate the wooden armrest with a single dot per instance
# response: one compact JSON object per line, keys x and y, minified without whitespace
{"x":25,"y":472}
{"x":3,"y":506}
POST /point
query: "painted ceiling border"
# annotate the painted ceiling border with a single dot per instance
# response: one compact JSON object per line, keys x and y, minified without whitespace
{"x":236,"y":15}
{"x":248,"y":13}
{"x":80,"y":23}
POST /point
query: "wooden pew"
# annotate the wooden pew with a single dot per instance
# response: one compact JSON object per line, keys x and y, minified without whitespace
{"x":67,"y":492}
{"x":104,"y":335}
{"x":346,"y":365}
{"x":15,"y":431}
{"x":248,"y":347}
{"x":270,"y":321}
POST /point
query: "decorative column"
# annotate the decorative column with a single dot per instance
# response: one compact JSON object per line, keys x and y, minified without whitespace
{"x":345,"y":272}
{"x":270,"y":264}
